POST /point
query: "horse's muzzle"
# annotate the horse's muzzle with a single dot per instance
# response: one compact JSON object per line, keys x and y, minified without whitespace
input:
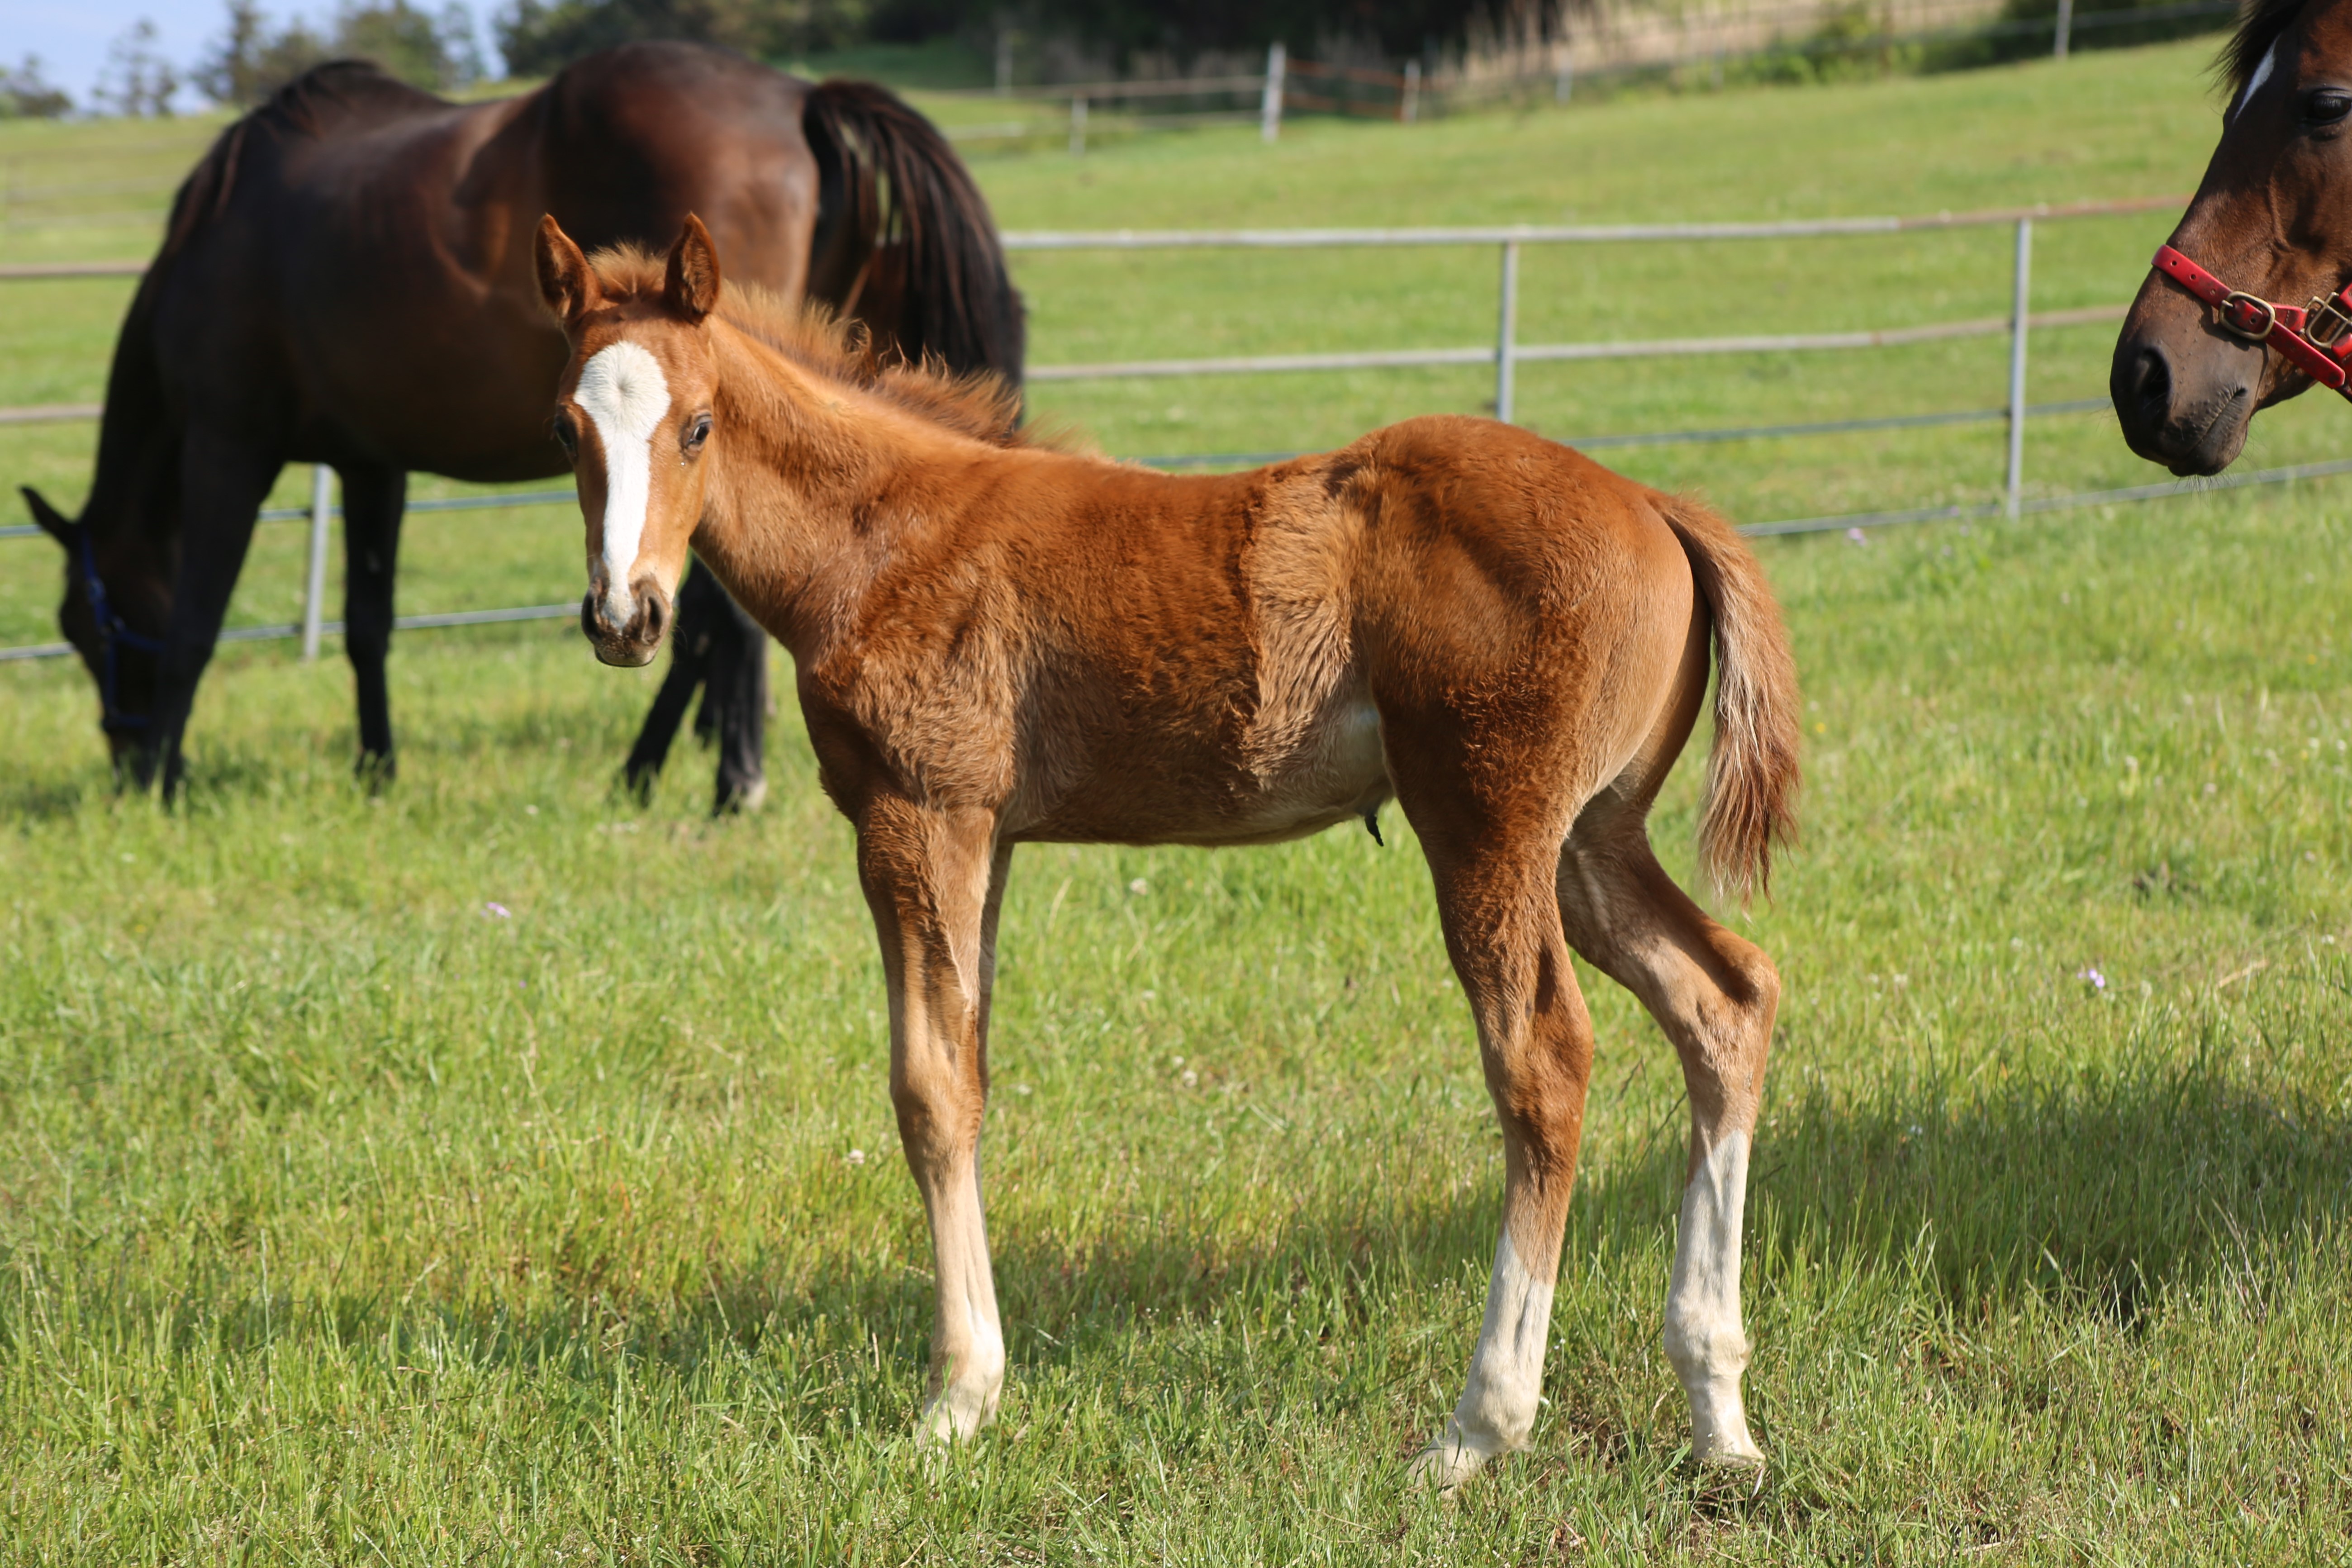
{"x":2184,"y":405}
{"x":631,"y":645}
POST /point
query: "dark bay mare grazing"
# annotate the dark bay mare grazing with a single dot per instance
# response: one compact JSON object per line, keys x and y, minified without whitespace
{"x":2250,"y":303}
{"x":346,"y":278}
{"x":996,"y":643}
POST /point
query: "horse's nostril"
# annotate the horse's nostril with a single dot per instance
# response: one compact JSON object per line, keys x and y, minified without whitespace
{"x":2155,"y":389}
{"x":656,"y":614}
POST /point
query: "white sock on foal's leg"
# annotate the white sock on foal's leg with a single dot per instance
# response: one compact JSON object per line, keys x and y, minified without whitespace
{"x":1497,"y":1413}
{"x":1702,"y":1336}
{"x":969,"y":1348}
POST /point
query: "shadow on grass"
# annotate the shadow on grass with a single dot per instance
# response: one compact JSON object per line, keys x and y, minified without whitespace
{"x":2097,"y":1192}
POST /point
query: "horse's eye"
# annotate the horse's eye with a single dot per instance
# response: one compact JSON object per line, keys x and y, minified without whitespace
{"x":2325,"y":106}
{"x":567,"y":436}
{"x":697,"y":432}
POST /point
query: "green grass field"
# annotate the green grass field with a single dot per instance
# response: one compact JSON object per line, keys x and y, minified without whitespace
{"x":343,"y":1220}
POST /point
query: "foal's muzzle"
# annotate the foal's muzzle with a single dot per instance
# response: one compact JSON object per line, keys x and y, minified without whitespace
{"x":631,"y":644}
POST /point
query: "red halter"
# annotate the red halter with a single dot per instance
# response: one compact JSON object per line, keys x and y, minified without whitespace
{"x":2295,"y":331}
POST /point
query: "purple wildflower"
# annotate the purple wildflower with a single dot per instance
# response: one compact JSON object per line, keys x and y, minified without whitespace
{"x":2098,"y":980}
{"x":496,"y":911}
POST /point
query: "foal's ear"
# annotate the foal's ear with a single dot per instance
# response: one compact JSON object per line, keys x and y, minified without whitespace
{"x":54,"y":523}
{"x":692,"y":287}
{"x":566,"y":282}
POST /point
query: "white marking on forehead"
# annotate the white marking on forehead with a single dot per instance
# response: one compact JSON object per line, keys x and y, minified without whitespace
{"x":624,"y":395}
{"x":2261,"y":74}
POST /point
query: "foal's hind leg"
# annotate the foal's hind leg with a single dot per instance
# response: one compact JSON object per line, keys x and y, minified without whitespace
{"x":1495,"y":899}
{"x":1714,"y":994}
{"x":934,"y":879}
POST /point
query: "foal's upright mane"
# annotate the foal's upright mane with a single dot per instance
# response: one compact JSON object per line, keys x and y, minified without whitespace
{"x":981,"y":405}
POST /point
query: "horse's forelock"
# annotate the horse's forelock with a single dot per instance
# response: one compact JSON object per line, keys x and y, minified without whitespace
{"x":2258,"y":29}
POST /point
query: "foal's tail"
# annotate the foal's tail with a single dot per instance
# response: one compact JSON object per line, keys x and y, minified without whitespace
{"x":1751,"y":773}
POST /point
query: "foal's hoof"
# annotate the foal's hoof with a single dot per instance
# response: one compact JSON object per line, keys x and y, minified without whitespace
{"x":1450,"y":1460}
{"x":1730,"y":1459}
{"x":954,"y":1417}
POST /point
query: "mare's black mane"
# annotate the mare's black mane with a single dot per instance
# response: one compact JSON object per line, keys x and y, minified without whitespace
{"x":305,"y":106}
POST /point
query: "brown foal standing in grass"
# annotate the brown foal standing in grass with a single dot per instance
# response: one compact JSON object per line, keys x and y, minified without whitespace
{"x":999,"y":642}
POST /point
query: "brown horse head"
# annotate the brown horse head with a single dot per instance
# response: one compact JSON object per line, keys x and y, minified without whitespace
{"x":2273,"y":218}
{"x":116,"y":606}
{"x":632,"y":411}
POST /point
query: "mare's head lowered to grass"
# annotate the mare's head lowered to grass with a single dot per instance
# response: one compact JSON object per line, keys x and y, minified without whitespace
{"x":117,"y":604}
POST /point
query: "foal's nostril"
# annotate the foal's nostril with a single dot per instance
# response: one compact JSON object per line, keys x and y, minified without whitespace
{"x":657,"y":614}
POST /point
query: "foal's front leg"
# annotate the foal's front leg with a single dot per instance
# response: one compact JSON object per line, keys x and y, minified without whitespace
{"x":934,"y":879}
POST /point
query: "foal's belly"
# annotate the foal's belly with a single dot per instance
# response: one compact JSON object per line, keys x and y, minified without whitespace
{"x":1335,"y":772}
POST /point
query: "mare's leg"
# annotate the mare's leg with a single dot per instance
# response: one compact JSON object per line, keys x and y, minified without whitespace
{"x":374,"y":498}
{"x":700,"y":602}
{"x":1715,"y":996}
{"x":1495,"y":872}
{"x":934,"y":879}
{"x":738,"y":690}
{"x":223,"y":481}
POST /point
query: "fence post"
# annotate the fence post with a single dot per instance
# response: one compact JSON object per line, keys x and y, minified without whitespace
{"x":1563,"y":80}
{"x":1270,"y":108}
{"x":1004,"y":59}
{"x":2065,"y":33}
{"x":1078,"y":127}
{"x":2022,"y":291}
{"x":1507,"y":333}
{"x":1409,"y":104}
{"x":314,"y":594}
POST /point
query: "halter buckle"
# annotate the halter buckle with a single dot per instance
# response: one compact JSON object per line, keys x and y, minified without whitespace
{"x":2238,"y":316}
{"x":2325,"y":320}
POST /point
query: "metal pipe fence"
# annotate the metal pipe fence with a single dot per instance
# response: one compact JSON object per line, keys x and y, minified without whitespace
{"x":1505,"y":354}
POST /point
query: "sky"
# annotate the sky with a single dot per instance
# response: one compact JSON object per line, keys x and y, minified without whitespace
{"x":72,"y":36}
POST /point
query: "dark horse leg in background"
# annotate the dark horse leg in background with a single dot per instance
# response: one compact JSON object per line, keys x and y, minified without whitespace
{"x":374,"y":498}
{"x":224,"y":479}
{"x":718,"y":648}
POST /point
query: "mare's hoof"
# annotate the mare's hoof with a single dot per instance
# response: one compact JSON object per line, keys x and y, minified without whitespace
{"x":375,"y":771}
{"x":734,"y":797}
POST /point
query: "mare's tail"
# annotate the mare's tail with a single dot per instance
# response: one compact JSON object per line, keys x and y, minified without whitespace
{"x":930,"y":274}
{"x":1751,"y":773}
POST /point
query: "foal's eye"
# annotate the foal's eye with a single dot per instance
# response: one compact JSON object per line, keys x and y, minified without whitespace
{"x":2325,"y":106}
{"x":696,"y":431}
{"x":567,"y":436}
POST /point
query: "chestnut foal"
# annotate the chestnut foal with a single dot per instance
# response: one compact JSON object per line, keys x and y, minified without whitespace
{"x":998,"y":643}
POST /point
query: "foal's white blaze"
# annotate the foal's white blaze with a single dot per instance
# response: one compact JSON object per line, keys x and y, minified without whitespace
{"x":1703,"y":1339}
{"x":2254,"y":82}
{"x":625,"y":393}
{"x":1498,"y":1411}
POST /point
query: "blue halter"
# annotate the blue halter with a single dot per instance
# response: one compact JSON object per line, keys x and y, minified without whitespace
{"x":113,"y":633}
